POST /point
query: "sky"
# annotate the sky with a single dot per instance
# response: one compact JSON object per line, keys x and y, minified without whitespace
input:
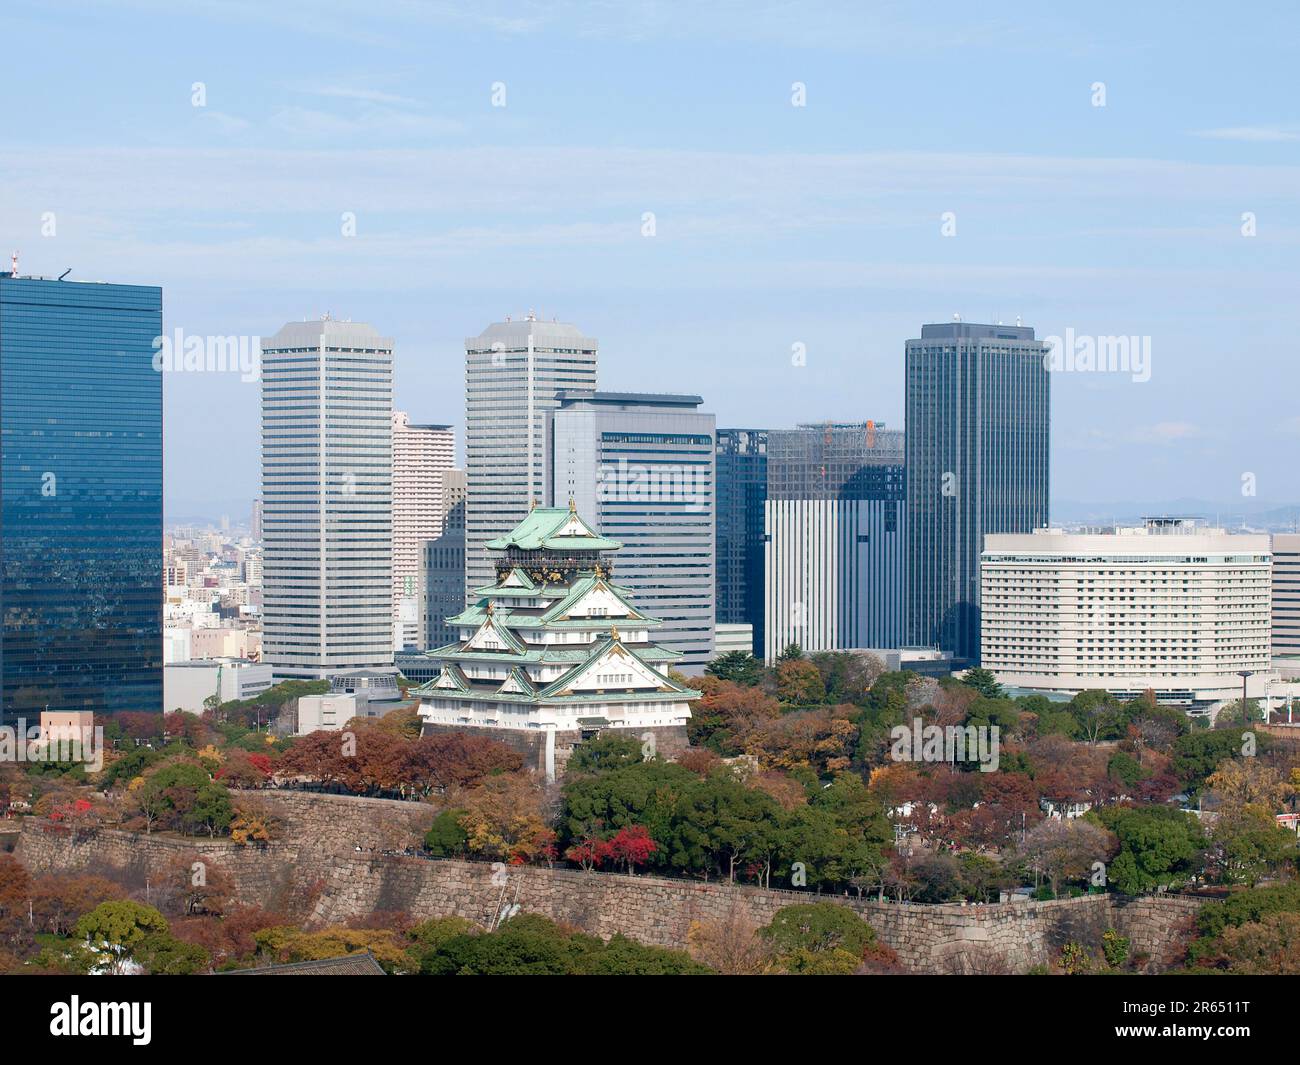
{"x":708,"y":189}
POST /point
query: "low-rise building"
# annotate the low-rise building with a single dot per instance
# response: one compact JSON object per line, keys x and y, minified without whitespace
{"x":187,"y":685}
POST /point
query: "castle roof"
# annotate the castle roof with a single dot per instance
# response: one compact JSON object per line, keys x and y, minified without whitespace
{"x":553,"y":529}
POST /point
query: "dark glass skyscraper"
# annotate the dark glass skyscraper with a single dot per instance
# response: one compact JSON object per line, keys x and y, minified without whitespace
{"x":978,"y":415}
{"x":741,"y":472}
{"x":80,"y":497}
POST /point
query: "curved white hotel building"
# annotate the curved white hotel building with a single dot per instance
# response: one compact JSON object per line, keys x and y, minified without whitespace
{"x":1170,"y":606}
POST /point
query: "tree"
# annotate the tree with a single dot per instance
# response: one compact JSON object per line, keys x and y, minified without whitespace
{"x":739,"y":667}
{"x":1065,"y":849}
{"x":731,"y":945}
{"x":1096,"y":713}
{"x":631,"y":846}
{"x":727,"y":711}
{"x":446,"y":838}
{"x":1158,"y":846}
{"x":792,"y":652}
{"x":503,"y":819}
{"x":984,"y":682}
{"x":821,"y":739}
{"x":819,"y":938}
{"x":1246,"y":844}
{"x":611,"y":750}
{"x":531,"y":945}
{"x":181,"y":795}
{"x":1243,"y":782}
{"x":162,"y":954}
{"x":799,"y":683}
{"x":114,"y":931}
{"x":1269,"y":947}
{"x":193,"y":886}
{"x":59,"y":899}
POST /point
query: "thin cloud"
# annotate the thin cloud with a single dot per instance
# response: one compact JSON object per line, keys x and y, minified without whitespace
{"x":1251,"y":134}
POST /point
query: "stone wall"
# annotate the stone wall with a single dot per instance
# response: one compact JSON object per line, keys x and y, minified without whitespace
{"x":331,"y":867}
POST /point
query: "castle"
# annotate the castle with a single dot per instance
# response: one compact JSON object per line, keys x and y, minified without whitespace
{"x":554,"y":652}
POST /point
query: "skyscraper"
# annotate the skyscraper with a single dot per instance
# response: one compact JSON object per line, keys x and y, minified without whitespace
{"x":741,"y":471}
{"x":640,"y":466}
{"x":442,"y":569}
{"x":327,"y":465}
{"x":421,"y":455}
{"x":978,"y":413}
{"x":834,"y":523}
{"x":512,"y":373}
{"x":81,"y":581}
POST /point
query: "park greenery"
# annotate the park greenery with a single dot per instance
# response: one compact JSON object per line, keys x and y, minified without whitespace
{"x":789,"y":782}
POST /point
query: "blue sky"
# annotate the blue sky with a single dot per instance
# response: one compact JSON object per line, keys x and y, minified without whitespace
{"x":775,"y":225}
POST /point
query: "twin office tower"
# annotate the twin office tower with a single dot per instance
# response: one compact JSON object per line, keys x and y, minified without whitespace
{"x":81,"y":490}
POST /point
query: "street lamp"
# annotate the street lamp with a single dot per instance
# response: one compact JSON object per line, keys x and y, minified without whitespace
{"x":1245,"y":710}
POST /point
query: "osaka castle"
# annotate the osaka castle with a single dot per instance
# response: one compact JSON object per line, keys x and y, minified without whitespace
{"x":554,"y":652}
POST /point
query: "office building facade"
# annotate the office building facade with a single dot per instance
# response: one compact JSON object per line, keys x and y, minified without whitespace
{"x":422,"y":456}
{"x":513,"y":370}
{"x":327,"y":470}
{"x":641,"y":466}
{"x":81,"y":568}
{"x":1286,"y":595}
{"x":740,"y":457}
{"x":978,"y":414}
{"x":442,"y":575}
{"x":834,"y":529}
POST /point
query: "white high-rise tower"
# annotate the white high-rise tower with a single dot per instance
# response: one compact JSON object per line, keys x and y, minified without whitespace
{"x":513,"y":370}
{"x":327,"y":465}
{"x":422,"y":454}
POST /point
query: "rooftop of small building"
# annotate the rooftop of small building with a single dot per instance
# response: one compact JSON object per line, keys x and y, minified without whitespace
{"x":363,"y":964}
{"x":577,"y":397}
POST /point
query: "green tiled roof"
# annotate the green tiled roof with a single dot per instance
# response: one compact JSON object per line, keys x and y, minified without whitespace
{"x":548,"y":655}
{"x":537,"y":532}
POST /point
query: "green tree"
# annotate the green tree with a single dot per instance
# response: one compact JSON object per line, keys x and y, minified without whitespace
{"x":116,"y":930}
{"x":1158,"y":845}
{"x":611,"y":750}
{"x":984,"y":682}
{"x":446,"y":837}
{"x":818,"y":938}
{"x":740,"y":667}
{"x":162,"y":954}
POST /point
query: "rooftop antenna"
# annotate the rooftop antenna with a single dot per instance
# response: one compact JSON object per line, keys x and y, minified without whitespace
{"x":956,"y":317}
{"x":1018,"y":320}
{"x":13,"y":265}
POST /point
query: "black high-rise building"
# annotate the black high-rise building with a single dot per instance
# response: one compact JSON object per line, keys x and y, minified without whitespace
{"x":741,"y":473}
{"x":978,"y":418}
